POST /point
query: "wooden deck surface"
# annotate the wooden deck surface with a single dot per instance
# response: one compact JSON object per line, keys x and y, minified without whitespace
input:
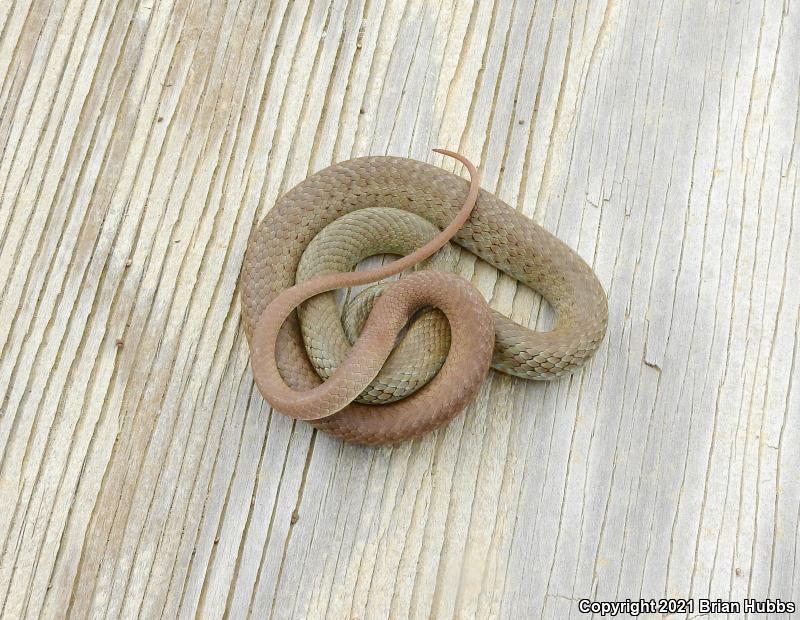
{"x":142,"y":475}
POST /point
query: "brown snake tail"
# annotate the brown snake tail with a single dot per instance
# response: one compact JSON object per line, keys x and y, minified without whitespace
{"x":362,"y":193}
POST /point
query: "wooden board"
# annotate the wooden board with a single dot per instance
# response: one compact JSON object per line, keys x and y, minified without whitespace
{"x":142,"y":474}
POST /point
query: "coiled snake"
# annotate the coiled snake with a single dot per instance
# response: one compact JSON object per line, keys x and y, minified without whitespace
{"x":396,"y":205}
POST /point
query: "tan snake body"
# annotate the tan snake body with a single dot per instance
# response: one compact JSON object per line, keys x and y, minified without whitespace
{"x":494,"y":232}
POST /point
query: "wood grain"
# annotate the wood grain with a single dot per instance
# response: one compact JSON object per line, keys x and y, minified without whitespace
{"x":141,"y":473}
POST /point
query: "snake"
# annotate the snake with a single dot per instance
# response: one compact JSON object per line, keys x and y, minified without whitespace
{"x":411,"y":354}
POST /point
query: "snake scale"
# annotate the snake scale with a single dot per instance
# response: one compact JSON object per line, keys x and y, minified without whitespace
{"x":427,"y":340}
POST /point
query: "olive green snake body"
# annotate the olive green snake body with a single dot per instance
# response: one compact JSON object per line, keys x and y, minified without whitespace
{"x":304,"y":248}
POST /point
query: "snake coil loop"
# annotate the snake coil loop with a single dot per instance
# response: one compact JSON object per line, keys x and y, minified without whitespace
{"x":474,"y":219}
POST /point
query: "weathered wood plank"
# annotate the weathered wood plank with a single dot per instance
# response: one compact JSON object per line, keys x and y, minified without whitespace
{"x":141,"y":472}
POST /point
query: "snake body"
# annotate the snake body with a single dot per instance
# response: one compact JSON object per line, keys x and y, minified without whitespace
{"x":329,"y":334}
{"x":272,"y":288}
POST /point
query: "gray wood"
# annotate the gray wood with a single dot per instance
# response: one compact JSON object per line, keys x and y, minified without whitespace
{"x":143,"y":475}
